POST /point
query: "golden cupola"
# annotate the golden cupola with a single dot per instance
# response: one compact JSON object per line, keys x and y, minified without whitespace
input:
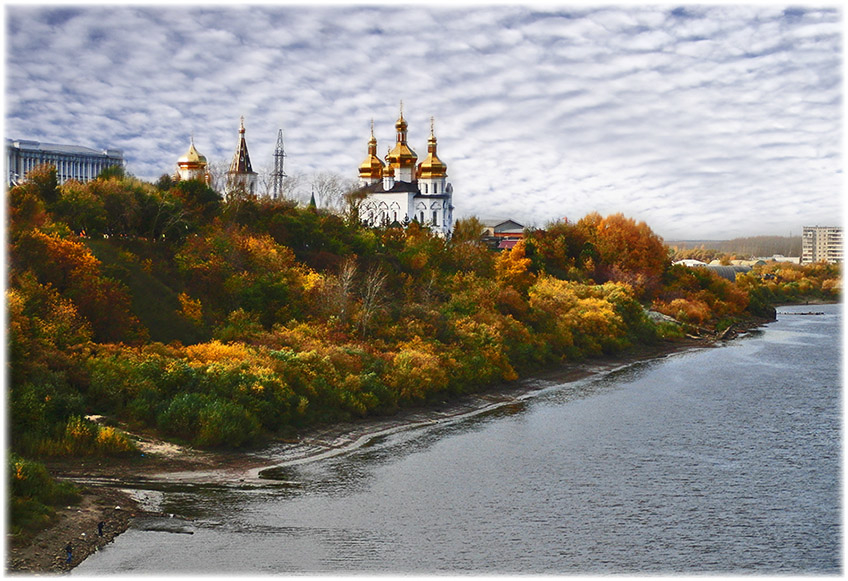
{"x":372,"y":168}
{"x":432,"y":167}
{"x":192,"y":165}
{"x":193,"y":159}
{"x":402,"y":158}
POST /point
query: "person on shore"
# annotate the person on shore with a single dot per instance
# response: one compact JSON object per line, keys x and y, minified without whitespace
{"x":70,"y":551}
{"x":100,"y":526}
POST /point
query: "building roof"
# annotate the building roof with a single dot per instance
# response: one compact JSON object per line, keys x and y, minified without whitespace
{"x":398,"y":187}
{"x":728,"y":272}
{"x":499,"y":225}
{"x":241,"y":159}
{"x":192,"y":158}
{"x":28,"y":145}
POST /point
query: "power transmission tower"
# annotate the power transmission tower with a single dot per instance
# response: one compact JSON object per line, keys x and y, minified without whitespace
{"x":279,"y":172}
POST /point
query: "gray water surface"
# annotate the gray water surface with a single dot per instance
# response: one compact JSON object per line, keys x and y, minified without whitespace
{"x":720,"y":460}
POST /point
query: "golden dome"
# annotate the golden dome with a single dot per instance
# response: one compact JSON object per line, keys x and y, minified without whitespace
{"x":432,"y":166}
{"x":373,"y":166}
{"x":192,"y":157}
{"x":400,"y":124}
{"x":401,"y":156}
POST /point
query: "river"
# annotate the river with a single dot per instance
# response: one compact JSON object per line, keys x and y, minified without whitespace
{"x":717,"y":460}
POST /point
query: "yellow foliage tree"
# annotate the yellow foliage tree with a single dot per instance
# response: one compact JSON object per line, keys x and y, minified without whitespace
{"x":512,"y":268}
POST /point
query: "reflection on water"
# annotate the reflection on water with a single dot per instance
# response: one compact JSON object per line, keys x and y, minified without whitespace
{"x":717,"y":460}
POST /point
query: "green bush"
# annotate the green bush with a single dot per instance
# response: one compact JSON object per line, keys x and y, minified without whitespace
{"x":33,"y":493}
{"x":208,"y":421}
{"x":223,"y":423}
{"x":182,"y":416}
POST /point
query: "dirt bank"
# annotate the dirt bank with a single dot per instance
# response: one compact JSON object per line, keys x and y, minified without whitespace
{"x":105,"y":480}
{"x":77,"y":525}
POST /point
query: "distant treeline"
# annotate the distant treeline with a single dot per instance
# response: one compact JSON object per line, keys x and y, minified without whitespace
{"x":742,"y":247}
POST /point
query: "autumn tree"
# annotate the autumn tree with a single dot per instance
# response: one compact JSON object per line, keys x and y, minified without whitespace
{"x":81,"y":209}
{"x":373,"y":298}
{"x":466,"y":249}
{"x":562,"y":249}
{"x":71,"y":268}
{"x":512,"y":268}
{"x":26,"y":209}
{"x":627,"y":251}
{"x":44,"y":179}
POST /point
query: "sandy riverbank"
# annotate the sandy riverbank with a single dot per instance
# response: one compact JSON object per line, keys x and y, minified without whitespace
{"x":107,"y":482}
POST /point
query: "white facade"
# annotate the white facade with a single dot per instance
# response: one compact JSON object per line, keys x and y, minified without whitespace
{"x":821,"y":244}
{"x":72,"y":162}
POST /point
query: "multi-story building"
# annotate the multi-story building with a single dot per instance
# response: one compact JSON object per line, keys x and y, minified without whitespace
{"x":72,"y":162}
{"x":821,"y":244}
{"x":401,"y":190}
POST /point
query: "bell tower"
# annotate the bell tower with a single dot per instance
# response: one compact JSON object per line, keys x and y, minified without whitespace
{"x":241,"y":178}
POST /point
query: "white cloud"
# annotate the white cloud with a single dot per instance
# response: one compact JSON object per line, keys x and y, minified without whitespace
{"x":704,"y":121}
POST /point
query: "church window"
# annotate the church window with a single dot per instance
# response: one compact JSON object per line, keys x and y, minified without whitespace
{"x":435,"y":218}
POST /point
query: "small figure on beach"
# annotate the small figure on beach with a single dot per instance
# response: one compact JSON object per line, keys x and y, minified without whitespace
{"x":70,"y":551}
{"x":100,"y":526}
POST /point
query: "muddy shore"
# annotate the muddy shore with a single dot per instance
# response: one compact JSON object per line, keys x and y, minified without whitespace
{"x":108,"y":484}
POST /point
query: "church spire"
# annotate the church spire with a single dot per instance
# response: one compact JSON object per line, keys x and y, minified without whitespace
{"x":241,"y":178}
{"x":241,"y":159}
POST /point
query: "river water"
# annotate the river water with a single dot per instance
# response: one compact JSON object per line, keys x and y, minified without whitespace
{"x":718,"y":460}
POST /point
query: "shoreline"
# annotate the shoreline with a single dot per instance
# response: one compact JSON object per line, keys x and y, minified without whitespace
{"x":114,"y":488}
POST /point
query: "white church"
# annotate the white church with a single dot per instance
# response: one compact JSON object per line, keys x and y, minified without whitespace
{"x":401,"y":190}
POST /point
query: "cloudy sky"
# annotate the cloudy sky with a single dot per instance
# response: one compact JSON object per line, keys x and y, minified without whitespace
{"x":705,"y":121}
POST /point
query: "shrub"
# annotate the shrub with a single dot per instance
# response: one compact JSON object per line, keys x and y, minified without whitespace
{"x":182,"y":416}
{"x":81,"y":437}
{"x":208,"y":421}
{"x":223,"y":423}
{"x":33,"y":493}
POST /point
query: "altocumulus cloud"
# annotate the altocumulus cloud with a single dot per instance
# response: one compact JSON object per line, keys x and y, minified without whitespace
{"x":704,"y":121}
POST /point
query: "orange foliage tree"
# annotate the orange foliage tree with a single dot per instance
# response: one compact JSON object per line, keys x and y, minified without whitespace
{"x":628,"y":251}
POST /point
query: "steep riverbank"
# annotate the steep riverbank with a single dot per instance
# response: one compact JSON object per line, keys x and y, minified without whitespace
{"x":115,"y":483}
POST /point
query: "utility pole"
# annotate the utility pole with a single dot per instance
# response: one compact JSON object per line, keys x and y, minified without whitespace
{"x":279,"y":171}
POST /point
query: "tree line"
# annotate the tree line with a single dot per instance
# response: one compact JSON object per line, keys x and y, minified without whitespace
{"x":220,"y":324}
